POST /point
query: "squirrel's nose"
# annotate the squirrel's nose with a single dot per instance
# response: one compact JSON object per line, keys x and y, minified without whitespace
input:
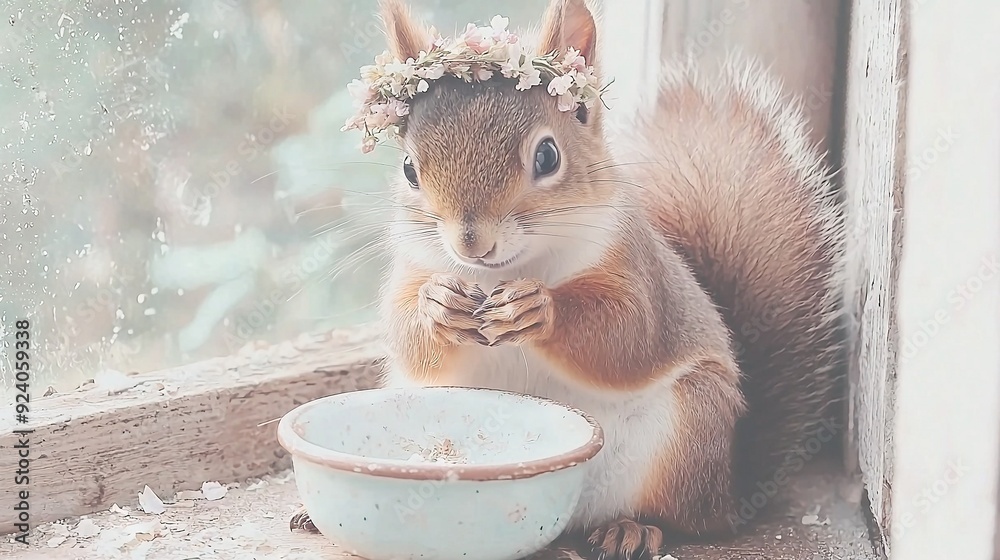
{"x":472,"y":246}
{"x":475,"y":250}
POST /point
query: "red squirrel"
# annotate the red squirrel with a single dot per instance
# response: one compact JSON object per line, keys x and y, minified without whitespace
{"x":678,"y":279}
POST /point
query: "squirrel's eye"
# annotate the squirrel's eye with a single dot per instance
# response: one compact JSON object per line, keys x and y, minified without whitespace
{"x":410,"y":172}
{"x":546,"y":158}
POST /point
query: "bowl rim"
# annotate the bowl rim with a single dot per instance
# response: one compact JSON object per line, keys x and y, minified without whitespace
{"x":298,"y":447}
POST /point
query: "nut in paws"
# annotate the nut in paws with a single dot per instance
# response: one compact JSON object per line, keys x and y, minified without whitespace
{"x":446,"y":304}
{"x":516,"y":312}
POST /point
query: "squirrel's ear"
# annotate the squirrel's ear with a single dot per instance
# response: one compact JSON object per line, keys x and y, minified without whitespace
{"x":569,"y":24}
{"x":407,"y":37}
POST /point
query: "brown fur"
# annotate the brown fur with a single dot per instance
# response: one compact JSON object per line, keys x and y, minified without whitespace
{"x":695,"y":492}
{"x":765,"y":242}
{"x":723,"y":273}
{"x":425,"y":327}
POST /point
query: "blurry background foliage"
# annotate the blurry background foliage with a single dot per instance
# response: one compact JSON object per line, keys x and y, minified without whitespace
{"x":158,"y":160}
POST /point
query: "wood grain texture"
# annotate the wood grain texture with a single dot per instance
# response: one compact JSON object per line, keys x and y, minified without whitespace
{"x":873,"y":178}
{"x":253,"y":524}
{"x":89,"y":449}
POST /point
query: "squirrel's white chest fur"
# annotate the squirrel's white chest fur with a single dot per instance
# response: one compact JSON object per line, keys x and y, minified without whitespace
{"x":637,"y":425}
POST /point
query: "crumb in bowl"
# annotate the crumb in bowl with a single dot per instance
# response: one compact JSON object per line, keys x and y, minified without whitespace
{"x":442,"y":450}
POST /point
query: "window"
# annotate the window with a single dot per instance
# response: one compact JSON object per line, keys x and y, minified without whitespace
{"x":176,"y":184}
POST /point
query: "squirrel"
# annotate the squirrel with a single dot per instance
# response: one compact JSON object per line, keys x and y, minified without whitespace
{"x":679,"y":280}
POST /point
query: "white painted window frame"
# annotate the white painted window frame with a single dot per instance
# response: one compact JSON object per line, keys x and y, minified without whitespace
{"x":948,"y":409}
{"x":630,"y":51}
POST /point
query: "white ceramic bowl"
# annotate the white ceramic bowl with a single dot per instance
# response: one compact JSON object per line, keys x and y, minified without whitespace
{"x":510,"y":470}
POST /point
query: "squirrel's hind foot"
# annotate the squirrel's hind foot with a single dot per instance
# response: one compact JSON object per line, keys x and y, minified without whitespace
{"x":301,"y":521}
{"x":627,"y":539}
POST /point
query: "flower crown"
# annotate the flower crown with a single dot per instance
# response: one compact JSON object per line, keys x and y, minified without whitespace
{"x":476,"y":55}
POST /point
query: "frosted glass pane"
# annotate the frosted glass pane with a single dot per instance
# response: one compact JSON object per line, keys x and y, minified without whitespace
{"x":174,"y":183}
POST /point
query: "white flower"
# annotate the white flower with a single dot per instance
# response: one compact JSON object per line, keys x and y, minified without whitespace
{"x":462,"y":71}
{"x":361,"y":92}
{"x":483,"y":74}
{"x":476,"y":39}
{"x":383,"y":59}
{"x":530,"y":77}
{"x":511,"y":68}
{"x":499,"y":23}
{"x":475,"y":55}
{"x":560,"y":85}
{"x":395,"y":86}
{"x":498,"y":29}
{"x":434,"y":72}
{"x":402,"y":69}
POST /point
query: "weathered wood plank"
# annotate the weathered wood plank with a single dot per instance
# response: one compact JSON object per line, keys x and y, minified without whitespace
{"x":253,"y":523}
{"x":89,"y":450}
{"x":873,"y":179}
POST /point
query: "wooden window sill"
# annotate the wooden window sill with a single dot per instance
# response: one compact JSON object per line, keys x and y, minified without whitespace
{"x":251,"y":521}
{"x":216,"y":421}
{"x":175,"y":429}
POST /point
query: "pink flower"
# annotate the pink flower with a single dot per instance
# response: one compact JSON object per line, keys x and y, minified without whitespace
{"x":476,"y":40}
{"x":368,"y":144}
{"x":383,"y":115}
{"x":397,"y":109}
{"x":566,"y":102}
{"x":353,"y":123}
{"x":574,"y":60}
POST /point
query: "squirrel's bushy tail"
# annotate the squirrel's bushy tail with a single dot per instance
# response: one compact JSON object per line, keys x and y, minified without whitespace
{"x":749,"y":203}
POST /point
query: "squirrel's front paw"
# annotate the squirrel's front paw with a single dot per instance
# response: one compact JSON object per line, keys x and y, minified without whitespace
{"x":517,"y":312}
{"x":446,"y":304}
